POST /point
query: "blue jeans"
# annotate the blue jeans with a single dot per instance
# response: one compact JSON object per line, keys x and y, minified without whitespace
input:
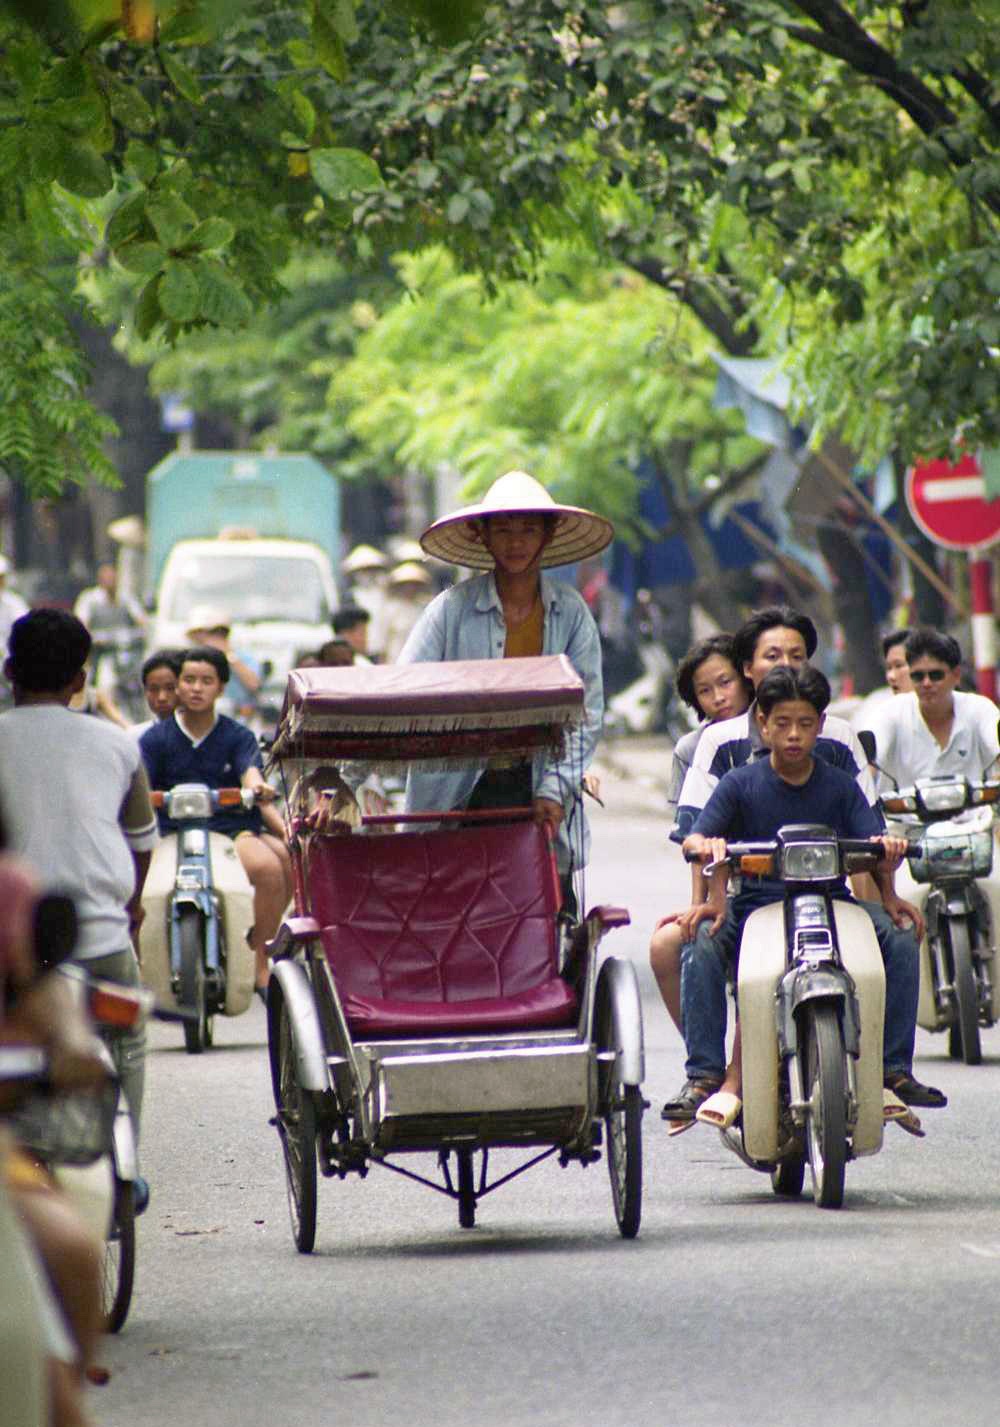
{"x":706,"y":962}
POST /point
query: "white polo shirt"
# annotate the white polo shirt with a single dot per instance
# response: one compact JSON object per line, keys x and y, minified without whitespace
{"x":906,"y":749}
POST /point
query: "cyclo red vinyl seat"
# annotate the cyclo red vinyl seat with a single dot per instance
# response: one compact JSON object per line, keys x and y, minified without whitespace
{"x":443,"y":932}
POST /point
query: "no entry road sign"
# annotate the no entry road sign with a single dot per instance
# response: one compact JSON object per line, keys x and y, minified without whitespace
{"x":948,"y":502}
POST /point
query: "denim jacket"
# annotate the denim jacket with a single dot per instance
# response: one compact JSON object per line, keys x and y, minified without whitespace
{"x":466,"y":622}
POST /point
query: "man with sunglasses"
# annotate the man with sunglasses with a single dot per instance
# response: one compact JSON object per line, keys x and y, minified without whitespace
{"x":938,"y":728}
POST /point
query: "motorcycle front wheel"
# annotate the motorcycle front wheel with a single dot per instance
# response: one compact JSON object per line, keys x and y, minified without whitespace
{"x":964,"y":1034}
{"x":191,"y":935}
{"x":826,"y":1093}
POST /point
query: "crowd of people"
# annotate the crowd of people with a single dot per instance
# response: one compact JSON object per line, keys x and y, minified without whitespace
{"x":76,"y":805}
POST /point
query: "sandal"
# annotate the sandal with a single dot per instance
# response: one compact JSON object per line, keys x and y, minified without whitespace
{"x":911,"y":1092}
{"x":684,"y":1105}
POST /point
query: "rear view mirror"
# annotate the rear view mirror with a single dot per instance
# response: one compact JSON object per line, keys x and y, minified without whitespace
{"x":867,"y":740}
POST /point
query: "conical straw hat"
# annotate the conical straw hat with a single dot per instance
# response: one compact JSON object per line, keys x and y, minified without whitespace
{"x":578,"y":533}
{"x":364,"y":557}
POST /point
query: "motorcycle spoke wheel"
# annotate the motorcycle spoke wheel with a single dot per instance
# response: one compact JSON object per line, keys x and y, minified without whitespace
{"x":966,"y":992}
{"x":623,"y":1136}
{"x":118,"y":1268}
{"x":296,"y":1121}
{"x":192,"y":991}
{"x":826,"y":1118}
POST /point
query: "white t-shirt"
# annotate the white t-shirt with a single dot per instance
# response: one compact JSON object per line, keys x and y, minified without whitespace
{"x":64,"y":785}
{"x":906,"y":749}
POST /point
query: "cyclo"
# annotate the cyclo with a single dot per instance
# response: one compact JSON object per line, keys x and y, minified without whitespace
{"x":429,"y":994}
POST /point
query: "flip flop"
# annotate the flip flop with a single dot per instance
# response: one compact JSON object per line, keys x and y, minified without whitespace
{"x":720,"y":1110}
{"x":677,"y":1127}
{"x":895,"y":1112}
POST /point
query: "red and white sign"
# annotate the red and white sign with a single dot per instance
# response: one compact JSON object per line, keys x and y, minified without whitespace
{"x":948,"y":502}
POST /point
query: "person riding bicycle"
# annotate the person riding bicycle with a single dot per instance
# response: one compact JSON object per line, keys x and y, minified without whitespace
{"x":76,"y":805}
{"x":199,"y":745}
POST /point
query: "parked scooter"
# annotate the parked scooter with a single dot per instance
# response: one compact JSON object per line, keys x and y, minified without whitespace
{"x":195,"y":951}
{"x":951,"y":876}
{"x":811,"y":991}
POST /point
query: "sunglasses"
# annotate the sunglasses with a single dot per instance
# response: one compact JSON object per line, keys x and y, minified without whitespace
{"x":918,"y":676}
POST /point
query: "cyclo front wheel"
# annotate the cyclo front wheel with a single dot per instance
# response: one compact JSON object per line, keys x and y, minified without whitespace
{"x":118,"y":1269}
{"x":296,"y":1122}
{"x":623,"y":1130}
{"x":191,"y":938}
{"x":826,"y":1116}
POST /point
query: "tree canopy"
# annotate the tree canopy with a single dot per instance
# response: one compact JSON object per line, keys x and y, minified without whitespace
{"x":818,"y":176}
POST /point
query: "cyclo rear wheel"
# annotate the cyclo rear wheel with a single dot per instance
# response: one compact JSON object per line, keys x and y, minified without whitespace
{"x":826,"y":1092}
{"x":118,"y":1269}
{"x":296,"y":1122}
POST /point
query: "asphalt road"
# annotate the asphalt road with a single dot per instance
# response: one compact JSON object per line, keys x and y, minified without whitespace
{"x":730,"y":1309}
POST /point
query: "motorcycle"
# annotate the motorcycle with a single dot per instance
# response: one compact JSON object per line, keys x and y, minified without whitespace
{"x":950,"y":873}
{"x":195,"y":952}
{"x":117,"y":661}
{"x":811,"y":993}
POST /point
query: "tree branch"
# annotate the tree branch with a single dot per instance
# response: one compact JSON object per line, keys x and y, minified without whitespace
{"x":720,"y":318}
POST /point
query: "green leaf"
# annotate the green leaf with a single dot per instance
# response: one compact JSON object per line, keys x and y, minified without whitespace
{"x":184,"y":80}
{"x":127,"y":219}
{"x":341,"y":172}
{"x":301,"y":54}
{"x":777,"y":169}
{"x":801,"y":173}
{"x":222,"y":299}
{"x":992,"y":277}
{"x":329,"y":47}
{"x":343,"y":19}
{"x":427,"y":174}
{"x":305,"y":113}
{"x":458,"y":208}
{"x":180,"y":292}
{"x":141,"y":257}
{"x":81,"y":169}
{"x":147,"y":309}
{"x":128,"y":105}
{"x":142,"y":160}
{"x":172,"y":219}
{"x":211,"y":233}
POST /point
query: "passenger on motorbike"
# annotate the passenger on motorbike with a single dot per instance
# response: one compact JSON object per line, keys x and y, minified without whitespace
{"x":710,"y":683}
{"x":751,"y":803}
{"x":199,"y":745}
{"x":937,"y":728}
{"x":75,"y":800}
{"x":159,"y":684}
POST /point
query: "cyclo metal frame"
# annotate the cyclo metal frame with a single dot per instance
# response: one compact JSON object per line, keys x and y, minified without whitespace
{"x":362,"y":1096}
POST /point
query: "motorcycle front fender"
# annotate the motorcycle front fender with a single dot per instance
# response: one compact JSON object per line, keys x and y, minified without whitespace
{"x":815,"y":983}
{"x":125,"y":1158}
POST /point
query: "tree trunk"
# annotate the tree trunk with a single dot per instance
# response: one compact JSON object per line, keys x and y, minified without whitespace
{"x":928,"y":603}
{"x":852,"y":604}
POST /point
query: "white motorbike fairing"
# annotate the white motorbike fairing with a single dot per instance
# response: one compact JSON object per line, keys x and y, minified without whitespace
{"x":762,"y":965}
{"x":235,"y":894}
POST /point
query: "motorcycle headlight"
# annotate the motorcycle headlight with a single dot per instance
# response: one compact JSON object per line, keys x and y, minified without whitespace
{"x":942,"y":797}
{"x":810,"y":861}
{"x":185,"y":803}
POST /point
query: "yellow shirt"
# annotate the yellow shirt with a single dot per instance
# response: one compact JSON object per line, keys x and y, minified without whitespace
{"x":525,"y":639}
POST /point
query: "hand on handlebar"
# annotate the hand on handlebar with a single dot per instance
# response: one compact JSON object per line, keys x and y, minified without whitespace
{"x":894,"y":850}
{"x":698,"y":848}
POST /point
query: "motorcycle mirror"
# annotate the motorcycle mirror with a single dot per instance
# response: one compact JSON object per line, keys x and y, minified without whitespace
{"x":55,"y":930}
{"x":867,"y":740}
